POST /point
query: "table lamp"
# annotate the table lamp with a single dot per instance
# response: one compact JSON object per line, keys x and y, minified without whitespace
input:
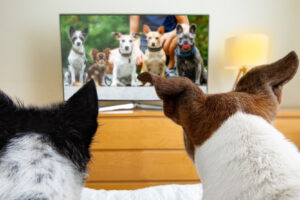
{"x":246,"y":51}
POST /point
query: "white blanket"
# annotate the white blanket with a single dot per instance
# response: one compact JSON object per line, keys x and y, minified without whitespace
{"x":164,"y":192}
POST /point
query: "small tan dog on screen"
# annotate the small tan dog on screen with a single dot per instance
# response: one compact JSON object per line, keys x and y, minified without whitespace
{"x":154,"y":59}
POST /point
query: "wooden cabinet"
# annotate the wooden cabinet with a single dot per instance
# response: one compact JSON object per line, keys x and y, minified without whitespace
{"x":288,"y":122}
{"x":144,"y":148}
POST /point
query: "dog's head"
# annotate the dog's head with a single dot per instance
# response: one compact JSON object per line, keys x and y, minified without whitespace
{"x":258,"y":93}
{"x":126,"y":41}
{"x":186,"y":39}
{"x":153,"y":37}
{"x":77,"y":37}
{"x":69,"y":127}
{"x":100,"y":58}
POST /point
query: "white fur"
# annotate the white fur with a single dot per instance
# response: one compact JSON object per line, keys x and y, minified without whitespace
{"x":60,"y":180}
{"x":248,"y":159}
{"x":77,"y":62}
{"x":124,"y":66}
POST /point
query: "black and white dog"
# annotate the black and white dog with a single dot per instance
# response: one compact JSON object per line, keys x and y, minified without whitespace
{"x":77,"y":58}
{"x":44,"y":151}
{"x":188,"y":60}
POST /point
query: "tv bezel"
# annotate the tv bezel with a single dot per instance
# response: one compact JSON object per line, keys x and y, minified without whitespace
{"x":142,"y":93}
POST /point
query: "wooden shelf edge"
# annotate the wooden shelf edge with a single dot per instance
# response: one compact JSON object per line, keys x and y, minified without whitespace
{"x":283,"y":112}
{"x":132,"y":185}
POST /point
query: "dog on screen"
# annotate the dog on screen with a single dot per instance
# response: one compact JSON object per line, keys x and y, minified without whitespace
{"x":154,"y":59}
{"x":99,"y":67}
{"x":76,"y":74}
{"x":188,"y":60}
{"x":124,"y":71}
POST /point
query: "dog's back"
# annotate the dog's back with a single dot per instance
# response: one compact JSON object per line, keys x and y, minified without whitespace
{"x":258,"y":161}
{"x":32,"y":169}
{"x":44,"y":152}
{"x":230,"y":137}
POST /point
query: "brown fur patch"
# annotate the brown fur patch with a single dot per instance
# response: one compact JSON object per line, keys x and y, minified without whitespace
{"x":99,"y":66}
{"x":200,"y":115}
{"x":77,"y":84}
{"x":93,"y":54}
{"x":273,"y":76}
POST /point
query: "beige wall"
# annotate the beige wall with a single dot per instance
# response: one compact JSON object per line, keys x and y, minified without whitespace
{"x":30,"y":46}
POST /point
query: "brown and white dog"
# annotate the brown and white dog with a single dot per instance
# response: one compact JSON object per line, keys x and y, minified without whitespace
{"x":230,"y":137}
{"x":99,"y":67}
{"x":154,"y":59}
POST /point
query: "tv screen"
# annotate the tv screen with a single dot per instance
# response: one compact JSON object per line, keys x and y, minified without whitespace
{"x":113,"y":49}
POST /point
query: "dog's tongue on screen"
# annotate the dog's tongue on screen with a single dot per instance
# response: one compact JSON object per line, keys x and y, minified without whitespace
{"x":186,"y":46}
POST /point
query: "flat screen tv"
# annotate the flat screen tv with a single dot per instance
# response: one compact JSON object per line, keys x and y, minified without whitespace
{"x":113,"y":49}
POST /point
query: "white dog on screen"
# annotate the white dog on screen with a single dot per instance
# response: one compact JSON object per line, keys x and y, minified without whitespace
{"x":124,"y":71}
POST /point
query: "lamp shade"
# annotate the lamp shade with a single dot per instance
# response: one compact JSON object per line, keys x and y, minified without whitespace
{"x":246,"y":50}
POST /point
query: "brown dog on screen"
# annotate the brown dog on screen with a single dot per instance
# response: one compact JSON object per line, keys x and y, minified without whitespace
{"x":99,"y":67}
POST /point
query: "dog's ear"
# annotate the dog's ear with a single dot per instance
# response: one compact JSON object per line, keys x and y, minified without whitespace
{"x":270,"y":78}
{"x":85,"y":32}
{"x":6,"y":105}
{"x":71,"y":31}
{"x":135,"y":35}
{"x":84,"y":102}
{"x":175,"y":93}
{"x":146,"y":29}
{"x":164,"y":87}
{"x":107,"y":53}
{"x":193,"y":29}
{"x":78,"y":118}
{"x":118,"y":35}
{"x":161,"y":30}
{"x":81,"y":110}
{"x":93,"y":54}
{"x":179,"y":29}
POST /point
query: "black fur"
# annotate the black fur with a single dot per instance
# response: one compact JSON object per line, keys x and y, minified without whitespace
{"x":193,"y":28}
{"x":71,"y":31}
{"x":179,"y":29}
{"x":188,"y":66}
{"x":85,"y":32}
{"x":69,"y":126}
